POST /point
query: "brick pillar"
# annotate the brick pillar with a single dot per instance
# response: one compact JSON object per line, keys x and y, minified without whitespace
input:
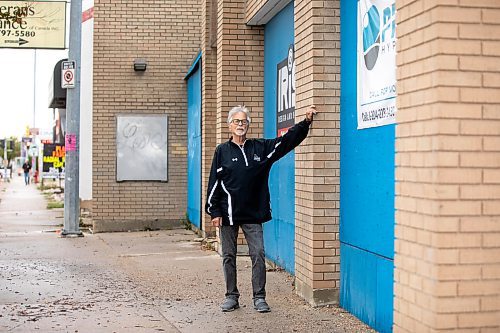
{"x":208,"y":99}
{"x":447,"y":260}
{"x":240,"y":67}
{"x":240,"y":71}
{"x":317,"y":256}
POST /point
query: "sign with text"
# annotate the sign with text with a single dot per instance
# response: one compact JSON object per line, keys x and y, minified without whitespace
{"x":376,"y":62}
{"x":285,"y":93}
{"x":70,"y":142}
{"x":68,"y":74}
{"x":54,"y":157}
{"x":33,"y":24}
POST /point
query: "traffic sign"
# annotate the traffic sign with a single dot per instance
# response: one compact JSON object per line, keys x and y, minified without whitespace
{"x":68,"y":74}
{"x":33,"y":24}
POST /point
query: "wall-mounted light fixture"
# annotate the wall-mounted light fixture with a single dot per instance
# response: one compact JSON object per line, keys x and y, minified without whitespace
{"x":140,"y":65}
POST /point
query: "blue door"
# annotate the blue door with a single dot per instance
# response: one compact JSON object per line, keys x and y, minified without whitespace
{"x":279,"y":233}
{"x":194,"y":144}
{"x":366,"y":198}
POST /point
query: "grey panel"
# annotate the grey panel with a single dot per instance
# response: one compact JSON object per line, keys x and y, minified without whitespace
{"x":142,"y":147}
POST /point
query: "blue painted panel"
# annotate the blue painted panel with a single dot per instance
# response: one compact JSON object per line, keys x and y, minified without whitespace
{"x":279,"y":233}
{"x":358,"y":283}
{"x":367,"y":159}
{"x":366,"y":287}
{"x":366,"y":198}
{"x":194,"y":146}
{"x":385,"y":294}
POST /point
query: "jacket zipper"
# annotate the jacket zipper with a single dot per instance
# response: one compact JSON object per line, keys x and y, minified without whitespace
{"x":243,"y":152}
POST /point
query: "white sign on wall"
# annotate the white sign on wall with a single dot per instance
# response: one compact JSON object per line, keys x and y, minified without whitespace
{"x":376,"y":62}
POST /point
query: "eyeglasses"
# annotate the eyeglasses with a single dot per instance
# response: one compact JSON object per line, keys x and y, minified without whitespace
{"x":243,"y":122}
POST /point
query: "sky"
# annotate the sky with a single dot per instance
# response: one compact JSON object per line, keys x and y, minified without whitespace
{"x":24,"y":89}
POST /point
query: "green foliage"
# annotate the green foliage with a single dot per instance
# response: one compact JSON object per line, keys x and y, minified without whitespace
{"x":11,"y":154}
{"x":55,"y":204}
{"x":48,"y":186}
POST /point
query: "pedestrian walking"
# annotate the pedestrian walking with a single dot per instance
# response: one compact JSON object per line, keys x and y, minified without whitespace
{"x":238,"y":197}
{"x":27,"y":168}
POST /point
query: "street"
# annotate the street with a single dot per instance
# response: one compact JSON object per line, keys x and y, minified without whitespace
{"x":152,"y":281}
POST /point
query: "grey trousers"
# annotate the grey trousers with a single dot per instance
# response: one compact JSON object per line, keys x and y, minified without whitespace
{"x":254,"y":236}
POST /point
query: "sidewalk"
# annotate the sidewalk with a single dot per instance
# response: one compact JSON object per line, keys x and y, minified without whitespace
{"x":158,"y":281}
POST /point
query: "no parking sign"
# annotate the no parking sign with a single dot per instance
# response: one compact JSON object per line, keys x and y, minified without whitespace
{"x":68,"y":74}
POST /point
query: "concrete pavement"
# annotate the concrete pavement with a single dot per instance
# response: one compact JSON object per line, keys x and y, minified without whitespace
{"x":155,"y":281}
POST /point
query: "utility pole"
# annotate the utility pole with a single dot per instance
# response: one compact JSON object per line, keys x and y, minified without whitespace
{"x":34,"y":160}
{"x":5,"y":160}
{"x":72,"y":177}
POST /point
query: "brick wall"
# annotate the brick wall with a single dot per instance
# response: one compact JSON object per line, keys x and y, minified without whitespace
{"x":317,"y":257}
{"x":447,"y":260}
{"x":167,"y":34}
{"x":240,"y":67}
{"x":240,"y":70}
{"x":209,"y":99}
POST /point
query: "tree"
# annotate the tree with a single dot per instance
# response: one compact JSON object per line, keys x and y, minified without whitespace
{"x":13,"y":148}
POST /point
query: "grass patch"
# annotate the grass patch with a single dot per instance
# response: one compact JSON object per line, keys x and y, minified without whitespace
{"x":186,"y":223}
{"x":47,"y":187}
{"x":54,"y":204}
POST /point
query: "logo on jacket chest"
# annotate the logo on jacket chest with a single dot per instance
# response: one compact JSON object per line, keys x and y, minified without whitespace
{"x":235,"y":159}
{"x":256,"y":158}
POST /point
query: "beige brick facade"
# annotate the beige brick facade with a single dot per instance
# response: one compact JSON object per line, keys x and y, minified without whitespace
{"x":167,"y":35}
{"x":447,"y":247}
{"x":240,"y":56}
{"x":447,"y":266}
{"x":208,"y":99}
{"x":317,"y":178}
{"x":240,"y":67}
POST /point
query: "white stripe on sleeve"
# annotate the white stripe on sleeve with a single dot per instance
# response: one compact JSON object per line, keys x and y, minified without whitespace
{"x":230,"y":207}
{"x":275,"y":146}
{"x":211,"y":195}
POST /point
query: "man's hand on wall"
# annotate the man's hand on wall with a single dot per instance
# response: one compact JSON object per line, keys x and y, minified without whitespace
{"x":310,"y":113}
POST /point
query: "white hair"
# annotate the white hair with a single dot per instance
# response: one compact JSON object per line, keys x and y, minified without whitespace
{"x":236,"y":109}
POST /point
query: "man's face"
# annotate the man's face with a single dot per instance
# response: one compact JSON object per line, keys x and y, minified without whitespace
{"x":239,"y":124}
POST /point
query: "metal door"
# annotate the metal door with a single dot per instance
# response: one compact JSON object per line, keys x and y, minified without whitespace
{"x":194,"y":144}
{"x":366,"y":198}
{"x":279,"y":233}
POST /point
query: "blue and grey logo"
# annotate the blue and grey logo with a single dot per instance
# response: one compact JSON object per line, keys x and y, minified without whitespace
{"x":371,"y":37}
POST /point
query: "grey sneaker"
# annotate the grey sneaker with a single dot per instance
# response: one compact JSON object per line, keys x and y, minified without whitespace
{"x":261,"y":305}
{"x":229,"y":304}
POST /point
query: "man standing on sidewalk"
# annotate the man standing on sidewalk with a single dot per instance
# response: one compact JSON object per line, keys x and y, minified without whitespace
{"x":27,"y":168}
{"x":238,"y":196}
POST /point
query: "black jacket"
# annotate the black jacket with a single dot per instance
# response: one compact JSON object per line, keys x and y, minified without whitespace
{"x":26,"y":167}
{"x":238,"y":185}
